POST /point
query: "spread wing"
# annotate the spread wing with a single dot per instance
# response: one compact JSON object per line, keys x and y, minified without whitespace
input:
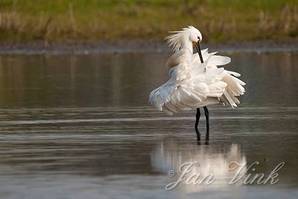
{"x":180,"y":92}
{"x":234,"y":86}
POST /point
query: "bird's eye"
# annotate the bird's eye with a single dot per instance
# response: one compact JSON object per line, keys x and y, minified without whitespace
{"x":199,"y":38}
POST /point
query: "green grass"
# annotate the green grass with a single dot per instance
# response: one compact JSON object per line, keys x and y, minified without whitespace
{"x":95,"y":20}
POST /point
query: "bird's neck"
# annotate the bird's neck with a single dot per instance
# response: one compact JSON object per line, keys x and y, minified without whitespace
{"x":187,"y":45}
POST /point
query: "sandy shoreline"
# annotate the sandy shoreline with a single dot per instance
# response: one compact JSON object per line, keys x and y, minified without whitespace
{"x":139,"y":46}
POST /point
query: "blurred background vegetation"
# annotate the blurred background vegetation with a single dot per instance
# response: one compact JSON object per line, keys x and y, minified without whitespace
{"x":111,"y":20}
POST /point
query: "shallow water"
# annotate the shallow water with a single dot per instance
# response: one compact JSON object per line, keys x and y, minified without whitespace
{"x":79,"y":126}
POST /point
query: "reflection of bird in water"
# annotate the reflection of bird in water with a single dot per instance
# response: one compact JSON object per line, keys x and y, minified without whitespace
{"x":195,"y":80}
{"x":219,"y":161}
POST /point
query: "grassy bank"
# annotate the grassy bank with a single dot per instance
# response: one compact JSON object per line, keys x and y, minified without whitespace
{"x":95,"y":20}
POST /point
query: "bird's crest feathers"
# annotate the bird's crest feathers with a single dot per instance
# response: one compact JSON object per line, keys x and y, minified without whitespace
{"x":176,"y":38}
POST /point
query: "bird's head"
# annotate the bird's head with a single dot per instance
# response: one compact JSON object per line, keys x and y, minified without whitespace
{"x":195,"y":37}
{"x":181,"y":39}
{"x":194,"y":34}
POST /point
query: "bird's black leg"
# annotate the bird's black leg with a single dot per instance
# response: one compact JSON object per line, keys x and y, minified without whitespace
{"x":198,"y":115}
{"x":207,"y":124}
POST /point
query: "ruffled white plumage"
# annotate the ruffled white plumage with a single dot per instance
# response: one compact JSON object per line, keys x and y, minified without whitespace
{"x":234,"y":86}
{"x":193,"y":84}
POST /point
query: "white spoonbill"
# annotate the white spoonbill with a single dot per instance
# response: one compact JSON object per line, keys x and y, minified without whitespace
{"x":195,"y":80}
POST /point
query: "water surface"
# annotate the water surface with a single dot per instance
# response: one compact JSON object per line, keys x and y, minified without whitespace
{"x":79,"y":126}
